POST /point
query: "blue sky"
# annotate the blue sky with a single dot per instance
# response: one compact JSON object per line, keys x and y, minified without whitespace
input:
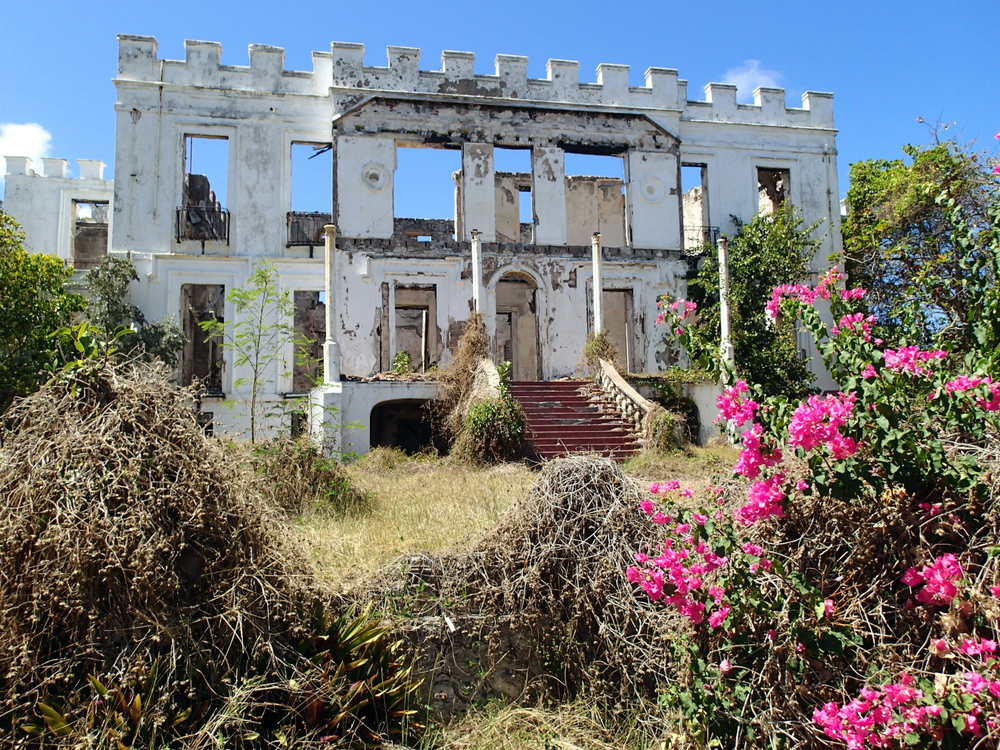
{"x":887,"y":63}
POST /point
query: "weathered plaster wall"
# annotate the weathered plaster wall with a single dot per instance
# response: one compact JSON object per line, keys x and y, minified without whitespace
{"x":43,"y":203}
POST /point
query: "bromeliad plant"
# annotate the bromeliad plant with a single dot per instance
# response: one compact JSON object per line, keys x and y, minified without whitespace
{"x":892,"y":449}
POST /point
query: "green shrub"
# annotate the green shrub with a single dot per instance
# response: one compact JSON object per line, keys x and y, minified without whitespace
{"x":359,"y":692}
{"x":402,"y":364}
{"x":493,"y":432}
{"x":663,"y":430}
{"x":297,"y":477}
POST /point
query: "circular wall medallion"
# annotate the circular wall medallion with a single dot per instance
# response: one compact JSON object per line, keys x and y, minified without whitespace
{"x":374,"y":176}
{"x":651,"y":189}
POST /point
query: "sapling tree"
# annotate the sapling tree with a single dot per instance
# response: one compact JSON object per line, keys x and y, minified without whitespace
{"x":109,"y":308}
{"x":258,"y":337}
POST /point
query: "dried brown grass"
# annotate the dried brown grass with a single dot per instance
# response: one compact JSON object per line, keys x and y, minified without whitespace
{"x":415,"y":505}
{"x":579,"y":725}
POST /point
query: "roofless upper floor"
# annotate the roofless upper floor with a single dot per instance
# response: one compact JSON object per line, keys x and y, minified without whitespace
{"x":344,"y":68}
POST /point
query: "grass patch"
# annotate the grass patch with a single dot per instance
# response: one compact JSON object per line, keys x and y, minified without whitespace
{"x":418,"y":504}
{"x":694,"y":466}
{"x":579,"y":725}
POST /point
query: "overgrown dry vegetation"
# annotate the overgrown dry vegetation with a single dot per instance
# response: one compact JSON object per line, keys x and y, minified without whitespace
{"x":543,"y":610}
{"x":456,"y":381}
{"x":149,"y":590}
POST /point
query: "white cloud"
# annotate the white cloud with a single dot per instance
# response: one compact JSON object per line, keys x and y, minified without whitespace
{"x":749,"y":76}
{"x":28,"y":139}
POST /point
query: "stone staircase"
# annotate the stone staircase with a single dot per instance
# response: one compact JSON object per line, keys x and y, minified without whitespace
{"x":565,"y":417}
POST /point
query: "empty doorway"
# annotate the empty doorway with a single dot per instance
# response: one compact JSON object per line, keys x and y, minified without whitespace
{"x":517,"y":327}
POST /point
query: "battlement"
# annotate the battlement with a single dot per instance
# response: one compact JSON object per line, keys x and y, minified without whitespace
{"x":90,"y":169}
{"x":343,"y":68}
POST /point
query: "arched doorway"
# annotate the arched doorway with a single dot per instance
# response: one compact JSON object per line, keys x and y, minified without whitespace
{"x":402,"y":424}
{"x":517,"y":326}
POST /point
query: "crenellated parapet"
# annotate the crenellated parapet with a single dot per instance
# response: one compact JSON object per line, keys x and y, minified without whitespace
{"x":343,"y":69}
{"x":19,"y":166}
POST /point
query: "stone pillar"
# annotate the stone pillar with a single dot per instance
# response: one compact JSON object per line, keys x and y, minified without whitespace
{"x":478,"y":190}
{"x":331,"y":349}
{"x":725,"y":344}
{"x":595,"y":247}
{"x":548,"y":195}
{"x":477,"y":271}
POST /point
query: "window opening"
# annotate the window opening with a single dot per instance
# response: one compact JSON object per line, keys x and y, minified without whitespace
{"x":772,"y":189}
{"x":90,"y":233}
{"x":514,"y":222}
{"x":312,"y":194}
{"x":416,"y":326}
{"x":203,"y":214}
{"x":595,"y":199}
{"x":201,"y":359}
{"x":310,"y":330}
{"x":694,"y":189}
{"x":424,"y":191}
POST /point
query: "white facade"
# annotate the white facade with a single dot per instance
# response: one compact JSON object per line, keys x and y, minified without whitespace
{"x":46,"y":204}
{"x":397,"y":292}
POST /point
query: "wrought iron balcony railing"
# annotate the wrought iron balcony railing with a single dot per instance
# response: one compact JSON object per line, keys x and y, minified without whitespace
{"x":205,"y":223}
{"x":697,"y":238}
{"x":306,"y":229}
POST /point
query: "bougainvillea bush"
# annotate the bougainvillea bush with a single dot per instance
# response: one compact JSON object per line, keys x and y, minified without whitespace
{"x":850,"y":596}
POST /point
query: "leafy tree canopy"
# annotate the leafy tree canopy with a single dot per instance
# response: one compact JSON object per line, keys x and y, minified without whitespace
{"x":919,"y":237}
{"x":33,"y":304}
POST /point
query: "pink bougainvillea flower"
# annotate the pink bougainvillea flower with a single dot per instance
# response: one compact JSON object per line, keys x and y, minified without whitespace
{"x":725,"y":666}
{"x":732,"y":405}
{"x":940,"y":647}
{"x":940,"y":579}
{"x":829,"y":608}
{"x":996,"y":169}
{"x":756,"y":453}
{"x":718,"y":616}
{"x":763,"y":501}
{"x":995,"y":590}
{"x":818,"y":421}
{"x":907,"y":359}
{"x":868,"y":372}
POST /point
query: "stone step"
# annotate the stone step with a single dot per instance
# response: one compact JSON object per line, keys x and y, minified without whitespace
{"x":569,"y":417}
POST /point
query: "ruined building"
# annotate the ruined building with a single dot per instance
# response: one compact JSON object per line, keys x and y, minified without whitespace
{"x":404,"y":283}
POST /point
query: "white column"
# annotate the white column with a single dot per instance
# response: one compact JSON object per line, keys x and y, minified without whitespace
{"x":478,"y":190}
{"x":477,"y":271}
{"x":725,"y":344}
{"x":548,"y":195}
{"x":331,"y":349}
{"x":595,"y":247}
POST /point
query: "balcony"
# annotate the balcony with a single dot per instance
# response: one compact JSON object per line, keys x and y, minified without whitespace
{"x":204,"y":223}
{"x":306,"y":229}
